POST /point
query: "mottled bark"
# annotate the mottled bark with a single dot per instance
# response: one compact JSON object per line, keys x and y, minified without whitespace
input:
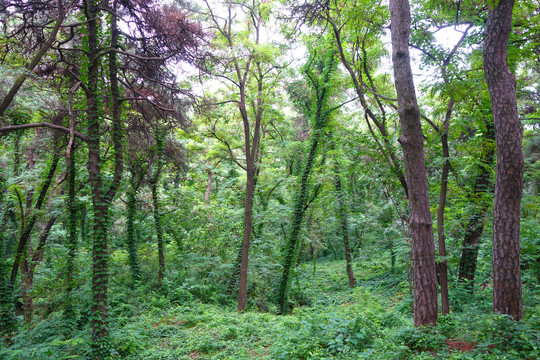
{"x":509,"y":178}
{"x":423,"y":248}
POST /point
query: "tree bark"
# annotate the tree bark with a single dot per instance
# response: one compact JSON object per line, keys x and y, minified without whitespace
{"x":423,"y":248}
{"x":509,"y":178}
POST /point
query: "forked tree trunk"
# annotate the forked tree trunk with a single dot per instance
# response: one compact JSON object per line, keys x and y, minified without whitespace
{"x":423,"y":248}
{"x":509,"y":179}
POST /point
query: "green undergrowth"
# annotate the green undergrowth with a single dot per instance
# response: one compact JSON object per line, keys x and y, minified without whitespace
{"x":329,"y":321}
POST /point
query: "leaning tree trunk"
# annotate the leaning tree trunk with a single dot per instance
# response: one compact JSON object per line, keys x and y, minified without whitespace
{"x":423,"y":248}
{"x":320,"y":114}
{"x":509,"y":179}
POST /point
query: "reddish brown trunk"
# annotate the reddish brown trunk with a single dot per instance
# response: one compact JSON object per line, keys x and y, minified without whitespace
{"x":423,"y":248}
{"x":509,"y":179}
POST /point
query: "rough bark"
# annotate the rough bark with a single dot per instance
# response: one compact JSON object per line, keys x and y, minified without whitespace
{"x":423,"y":248}
{"x":509,"y":178}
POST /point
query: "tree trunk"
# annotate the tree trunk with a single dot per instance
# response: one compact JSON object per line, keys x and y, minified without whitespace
{"x":320,"y":116}
{"x":475,"y":225}
{"x":423,"y":248}
{"x":442,"y":265}
{"x":130,"y":225}
{"x":250,"y":189}
{"x":159,"y":233}
{"x":509,"y":179}
{"x":69,"y":312}
{"x":342,"y":214}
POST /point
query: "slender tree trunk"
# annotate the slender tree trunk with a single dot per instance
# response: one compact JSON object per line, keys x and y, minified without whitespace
{"x":7,"y":317}
{"x":27,"y":230}
{"x":320,"y":116}
{"x":69,"y":311}
{"x":509,"y":179}
{"x":208,"y":187}
{"x":475,"y":225}
{"x":159,"y":233}
{"x":6,"y":101}
{"x":26,"y":287}
{"x":342,"y":214}
{"x":442,"y":265}
{"x":423,"y":248}
{"x":130,"y":225}
{"x":248,"y":222}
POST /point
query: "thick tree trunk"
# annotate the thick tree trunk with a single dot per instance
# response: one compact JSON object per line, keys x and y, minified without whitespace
{"x":475,"y":225}
{"x":423,"y":248}
{"x":509,"y":179}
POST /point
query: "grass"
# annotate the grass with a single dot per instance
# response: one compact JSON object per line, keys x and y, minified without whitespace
{"x":329,"y":321}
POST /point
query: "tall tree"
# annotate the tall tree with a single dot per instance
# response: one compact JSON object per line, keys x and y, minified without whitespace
{"x":246,"y":71}
{"x":509,"y":177}
{"x":411,"y":139}
{"x":318,"y":72}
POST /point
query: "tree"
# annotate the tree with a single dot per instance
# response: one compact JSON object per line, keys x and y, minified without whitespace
{"x":411,"y":139}
{"x":509,"y":178}
{"x":246,"y":66}
{"x":318,"y":73}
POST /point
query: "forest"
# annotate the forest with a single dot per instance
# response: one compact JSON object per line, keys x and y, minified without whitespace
{"x":269,"y":179}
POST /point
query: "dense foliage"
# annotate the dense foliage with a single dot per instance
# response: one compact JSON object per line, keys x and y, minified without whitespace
{"x":149,"y":149}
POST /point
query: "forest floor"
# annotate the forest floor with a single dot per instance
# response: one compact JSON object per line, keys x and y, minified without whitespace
{"x":330,"y":321}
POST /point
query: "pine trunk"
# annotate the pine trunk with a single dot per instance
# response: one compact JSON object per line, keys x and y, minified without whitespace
{"x":423,"y":248}
{"x":509,"y":178}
